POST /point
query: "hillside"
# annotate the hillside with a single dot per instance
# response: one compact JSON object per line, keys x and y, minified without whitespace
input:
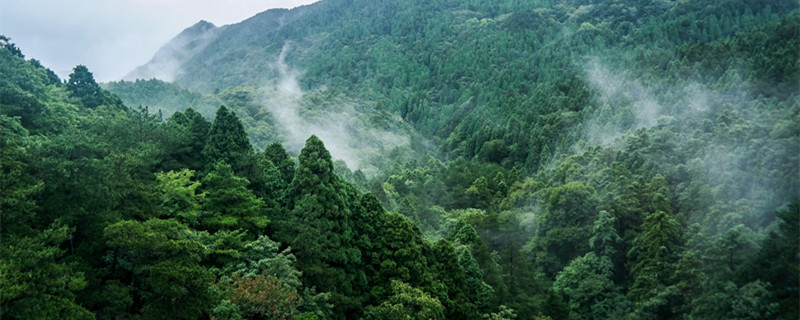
{"x":350,"y":159}
{"x":165,"y":65}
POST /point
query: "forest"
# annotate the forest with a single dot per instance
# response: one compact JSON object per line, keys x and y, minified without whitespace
{"x":424,"y":159}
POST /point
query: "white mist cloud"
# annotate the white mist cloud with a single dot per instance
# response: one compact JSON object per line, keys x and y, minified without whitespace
{"x":339,"y":124}
{"x":615,"y":87}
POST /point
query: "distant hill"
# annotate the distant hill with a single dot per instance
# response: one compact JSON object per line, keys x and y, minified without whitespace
{"x":166,"y":63}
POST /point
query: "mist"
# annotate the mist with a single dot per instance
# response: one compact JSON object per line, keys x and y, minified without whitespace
{"x":166,"y":63}
{"x":345,"y":126}
{"x":722,"y":129}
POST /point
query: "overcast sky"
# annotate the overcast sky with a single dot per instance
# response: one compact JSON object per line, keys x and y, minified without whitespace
{"x":112,"y":37}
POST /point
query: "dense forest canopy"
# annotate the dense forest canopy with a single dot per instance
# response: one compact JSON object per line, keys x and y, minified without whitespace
{"x":448,"y":159}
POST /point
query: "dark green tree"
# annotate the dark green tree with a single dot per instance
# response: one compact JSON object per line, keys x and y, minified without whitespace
{"x":406,"y":302}
{"x":38,"y":282}
{"x":587,"y":281}
{"x":654,"y":258}
{"x":82,"y":86}
{"x":227,"y":141}
{"x":318,"y":226}
{"x":450,"y":284}
{"x":161,"y":260}
{"x":277,"y":154}
{"x":778,"y":261}
{"x":565,"y":227}
{"x":191,"y":134}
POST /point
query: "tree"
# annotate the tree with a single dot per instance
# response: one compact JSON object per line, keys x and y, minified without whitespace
{"x":82,"y":85}
{"x":402,"y":255}
{"x":450,"y":282}
{"x":229,"y":205}
{"x":6,"y":44}
{"x":17,"y":189}
{"x":505,"y":313}
{"x":179,"y":196}
{"x":161,"y":259}
{"x":565,"y":227}
{"x":369,"y":222}
{"x":778,"y":262}
{"x":191,"y":136}
{"x":277,"y":154}
{"x":479,"y":193}
{"x":654,"y":257}
{"x":263,"y":297}
{"x":227,"y":141}
{"x":319,"y":227}
{"x":587,"y":281}
{"x":604,"y":235}
{"x":480,"y":293}
{"x":406,"y":303}
{"x":38,"y":282}
{"x":264,"y":257}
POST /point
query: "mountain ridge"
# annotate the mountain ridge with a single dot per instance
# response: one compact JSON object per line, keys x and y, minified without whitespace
{"x":165,"y":64}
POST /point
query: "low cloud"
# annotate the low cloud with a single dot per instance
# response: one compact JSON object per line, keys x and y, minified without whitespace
{"x":345,"y":126}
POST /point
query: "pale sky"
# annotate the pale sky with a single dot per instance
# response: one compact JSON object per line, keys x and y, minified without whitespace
{"x":111,"y":37}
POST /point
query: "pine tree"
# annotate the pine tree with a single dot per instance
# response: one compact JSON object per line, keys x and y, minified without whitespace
{"x":277,"y":154}
{"x":229,"y":205}
{"x":319,"y":226}
{"x":227,"y":141}
{"x":655,"y":254}
{"x":192,"y":130}
{"x":82,"y":85}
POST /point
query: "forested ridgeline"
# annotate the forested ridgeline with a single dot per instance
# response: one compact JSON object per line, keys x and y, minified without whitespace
{"x":564,"y":160}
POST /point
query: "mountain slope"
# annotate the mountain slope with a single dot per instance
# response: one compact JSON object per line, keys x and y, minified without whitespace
{"x":599,"y":159}
{"x":166,"y":63}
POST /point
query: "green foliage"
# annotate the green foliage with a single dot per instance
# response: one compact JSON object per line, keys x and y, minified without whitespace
{"x":159,"y":96}
{"x":162,"y":260}
{"x":82,"y":86}
{"x":229,"y":205}
{"x":613,"y":159}
{"x":654,"y":253}
{"x":38,"y":282}
{"x":406,"y":303}
{"x":17,"y":189}
{"x":191,"y":132}
{"x":278,"y":156}
{"x":179,"y":196}
{"x":563,"y":231}
{"x":227,"y":140}
{"x":505,"y":313}
{"x":263,"y":257}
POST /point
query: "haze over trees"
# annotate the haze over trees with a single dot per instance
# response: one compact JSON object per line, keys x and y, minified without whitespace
{"x":419,"y":160}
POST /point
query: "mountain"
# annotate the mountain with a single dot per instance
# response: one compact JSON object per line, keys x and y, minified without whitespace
{"x":165,"y":64}
{"x":459,"y":159}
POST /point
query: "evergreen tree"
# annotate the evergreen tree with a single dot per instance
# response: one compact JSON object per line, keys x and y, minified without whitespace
{"x":227,"y":141}
{"x":229,"y":205}
{"x":192,"y":133}
{"x":161,"y":260}
{"x":565,"y":227}
{"x":450,"y":283}
{"x":587,"y":281}
{"x":406,"y":302}
{"x":277,"y":154}
{"x":38,"y":282}
{"x":319,"y":226}
{"x":778,"y":262}
{"x":654,"y":257}
{"x":82,"y":85}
